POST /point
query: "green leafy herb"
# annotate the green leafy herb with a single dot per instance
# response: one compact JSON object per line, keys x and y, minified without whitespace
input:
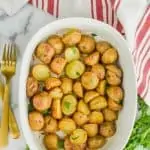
{"x":77,"y":73}
{"x":27,"y":147}
{"x":93,"y":34}
{"x":46,"y":112}
{"x":60,"y":144}
{"x":30,"y":107}
{"x":74,"y":138}
{"x":67,"y":104}
{"x":74,"y":50}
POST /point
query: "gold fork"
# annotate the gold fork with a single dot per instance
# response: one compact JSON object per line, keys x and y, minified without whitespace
{"x":8,"y":69}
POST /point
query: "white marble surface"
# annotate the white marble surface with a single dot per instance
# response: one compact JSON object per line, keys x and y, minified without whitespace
{"x":20,"y":28}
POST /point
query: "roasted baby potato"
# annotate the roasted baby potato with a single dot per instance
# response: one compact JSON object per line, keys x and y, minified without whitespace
{"x":96,"y":117}
{"x":78,"y":89}
{"x":31,"y":86}
{"x":69,"y":104}
{"x":51,"y":141}
{"x":50,"y":125}
{"x":80,"y":118}
{"x":78,"y":136}
{"x":56,"y":109}
{"x":87,"y":44}
{"x":107,"y":129}
{"x":36,"y":120}
{"x":58,"y":64}
{"x":109,"y":115}
{"x":72,"y":53}
{"x":75,"y":69}
{"x":56,"y":93}
{"x":113,"y":105}
{"x":45,"y":52}
{"x":98,"y":103}
{"x":56,"y":42}
{"x":101,"y":88}
{"x":92,"y":59}
{"x":67,"y":125}
{"x":83,"y":107}
{"x":42,"y":101}
{"x":109,"y":56}
{"x":89,"y":95}
{"x":102,"y":46}
{"x":96,"y":142}
{"x":52,"y":82}
{"x":40,"y":72}
{"x":66,"y":85}
{"x":115,"y":93}
{"x":99,"y":70}
{"x":91,"y":129}
{"x":72,"y":37}
{"x":89,"y":80}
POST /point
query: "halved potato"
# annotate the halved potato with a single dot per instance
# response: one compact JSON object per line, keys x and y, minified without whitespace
{"x":89,"y":95}
{"x":56,"y":93}
{"x":91,"y":129}
{"x":78,"y":89}
{"x":83,"y":107}
{"x":102,"y":46}
{"x":101,"y":88}
{"x":109,"y":115}
{"x":66,"y":85}
{"x":113,"y":105}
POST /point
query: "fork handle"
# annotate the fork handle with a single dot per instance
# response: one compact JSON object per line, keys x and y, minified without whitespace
{"x":5,"y":117}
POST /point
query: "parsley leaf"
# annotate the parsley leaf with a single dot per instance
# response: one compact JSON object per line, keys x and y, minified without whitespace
{"x":67,"y":104}
{"x":27,"y":147}
{"x":60,"y":144}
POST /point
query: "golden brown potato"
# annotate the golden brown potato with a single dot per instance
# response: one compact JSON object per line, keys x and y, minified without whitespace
{"x":56,"y":42}
{"x":89,"y":80}
{"x":109,"y":56}
{"x":101,"y":88}
{"x":113,"y":105}
{"x":98,"y":103}
{"x":52,"y":82}
{"x":109,"y":115}
{"x":56,"y":93}
{"x":102,"y":46}
{"x":51,"y":141}
{"x":78,"y":89}
{"x":80,"y":118}
{"x":67,"y":125}
{"x":72,"y":37}
{"x":87,"y":44}
{"x":89,"y":95}
{"x":83,"y":107}
{"x":112,"y":78}
{"x":91,"y":129}
{"x":56,"y":109}
{"x":99,"y":70}
{"x":40,"y":72}
{"x":31,"y":86}
{"x":58,"y":64}
{"x":96,"y":142}
{"x":96,"y":117}
{"x":78,"y":136}
{"x":36,"y":120}
{"x":115,"y":69}
{"x":66,"y":85}
{"x":107,"y":129}
{"x":42,"y":101}
{"x":45,"y":52}
{"x":115,"y":93}
{"x":92,"y":59}
{"x":50,"y":125}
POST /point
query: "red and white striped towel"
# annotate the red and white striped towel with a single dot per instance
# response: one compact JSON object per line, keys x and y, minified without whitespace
{"x":106,"y":10}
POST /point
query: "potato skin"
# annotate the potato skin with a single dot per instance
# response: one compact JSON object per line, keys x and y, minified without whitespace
{"x":67,"y":125}
{"x":58,"y":64}
{"x":87,"y":44}
{"x":102,"y":46}
{"x":50,"y":124}
{"x":78,"y":89}
{"x":89,"y":95}
{"x":80,"y":118}
{"x":91,"y":129}
{"x":83,"y":107}
{"x":50,"y":141}
{"x":31,"y":86}
{"x":42,"y":101}
{"x":96,"y":117}
{"x":113,"y":105}
{"x":56,"y":93}
{"x":109,"y":115}
{"x":36,"y":121}
{"x":109,"y":56}
{"x":107,"y":129}
{"x":56,"y":42}
{"x":45,"y":52}
{"x":96,"y":142}
{"x":101,"y":88}
{"x":66,"y":85}
{"x":89,"y":80}
{"x":99,"y":70}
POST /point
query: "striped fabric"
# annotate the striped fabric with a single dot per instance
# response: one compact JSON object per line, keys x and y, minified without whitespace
{"x":104,"y":10}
